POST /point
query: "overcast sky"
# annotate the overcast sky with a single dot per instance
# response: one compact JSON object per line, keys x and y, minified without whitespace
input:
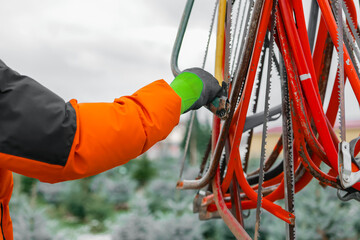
{"x":98,"y":50}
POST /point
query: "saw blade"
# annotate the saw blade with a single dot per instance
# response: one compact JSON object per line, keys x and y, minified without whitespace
{"x":266,"y":118}
{"x":351,"y":23}
{"x":228,"y":40}
{"x":246,"y":26}
{"x":234,"y":36}
{"x":353,"y":37}
{"x":255,"y":101}
{"x":352,"y":50}
{"x":340,"y":41}
{"x":210,"y":33}
{"x":239,"y":32}
{"x":288,"y":152}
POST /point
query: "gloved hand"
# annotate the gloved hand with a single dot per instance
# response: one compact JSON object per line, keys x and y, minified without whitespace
{"x":196,"y":88}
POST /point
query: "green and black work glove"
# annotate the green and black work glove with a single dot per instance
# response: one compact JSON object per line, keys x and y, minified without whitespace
{"x":196,"y":88}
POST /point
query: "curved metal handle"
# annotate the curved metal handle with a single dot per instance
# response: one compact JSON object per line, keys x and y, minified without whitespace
{"x":179,"y":37}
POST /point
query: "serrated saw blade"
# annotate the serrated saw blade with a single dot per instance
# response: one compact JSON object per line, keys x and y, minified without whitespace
{"x":351,"y":23}
{"x":354,"y":52}
{"x":340,"y":42}
{"x":228,"y":39}
{"x":289,"y":178}
{"x":352,"y":35}
{"x":255,"y":100}
{"x":266,"y":118}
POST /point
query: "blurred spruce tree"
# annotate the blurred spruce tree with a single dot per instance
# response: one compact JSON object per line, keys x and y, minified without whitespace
{"x":142,"y":170}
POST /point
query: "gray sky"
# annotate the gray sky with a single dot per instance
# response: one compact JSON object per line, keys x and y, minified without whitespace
{"x":98,"y":50}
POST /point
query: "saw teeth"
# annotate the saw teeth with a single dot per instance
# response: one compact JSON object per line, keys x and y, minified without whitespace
{"x":241,"y":30}
{"x":265,"y":127}
{"x":340,"y":41}
{"x":289,"y":165}
{"x":351,"y":23}
{"x":259,"y":77}
{"x":354,"y":43}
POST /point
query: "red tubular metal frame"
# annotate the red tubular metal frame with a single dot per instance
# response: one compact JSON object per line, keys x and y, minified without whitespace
{"x":320,"y":47}
{"x":332,"y":28}
{"x":301,"y":27}
{"x":223,"y":209}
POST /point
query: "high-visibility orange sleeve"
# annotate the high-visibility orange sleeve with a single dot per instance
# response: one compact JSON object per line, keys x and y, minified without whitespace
{"x":108,"y":134}
{"x":6,"y":182}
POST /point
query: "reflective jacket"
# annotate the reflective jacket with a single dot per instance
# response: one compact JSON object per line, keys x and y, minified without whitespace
{"x":43,"y":137}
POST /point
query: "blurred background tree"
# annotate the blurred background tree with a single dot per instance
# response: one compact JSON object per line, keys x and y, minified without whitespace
{"x":139,"y":201}
{"x":200,"y":135}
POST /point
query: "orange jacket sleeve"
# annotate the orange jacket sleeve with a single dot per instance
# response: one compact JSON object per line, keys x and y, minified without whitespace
{"x":110,"y":134}
{"x":106,"y":135}
{"x":43,"y":137}
{"x":6,"y":181}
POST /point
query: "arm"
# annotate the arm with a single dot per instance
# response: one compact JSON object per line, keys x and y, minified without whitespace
{"x":43,"y":137}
